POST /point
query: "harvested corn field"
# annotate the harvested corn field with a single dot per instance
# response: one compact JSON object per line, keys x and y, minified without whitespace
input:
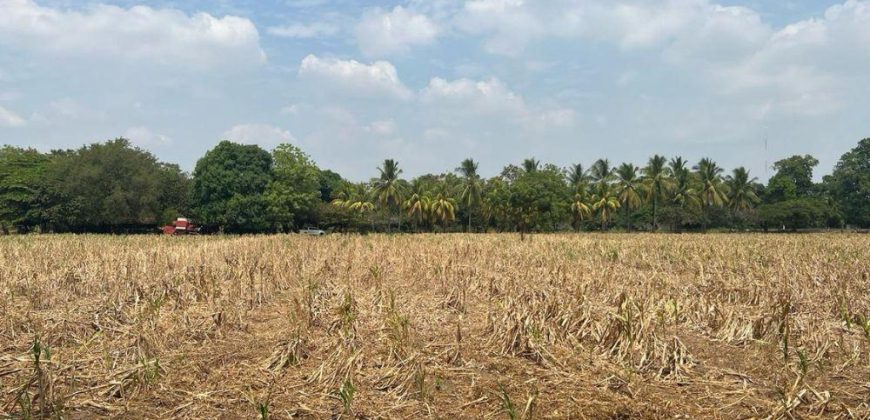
{"x":436,"y":326}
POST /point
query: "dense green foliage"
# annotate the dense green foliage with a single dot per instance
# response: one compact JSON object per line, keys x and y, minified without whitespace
{"x":116,"y":187}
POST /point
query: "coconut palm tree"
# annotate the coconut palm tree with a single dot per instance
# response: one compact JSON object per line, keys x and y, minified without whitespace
{"x":712,"y":190}
{"x":442,"y":208}
{"x":601,"y":171}
{"x":580,"y":208}
{"x":471,"y":188}
{"x":683,"y":192}
{"x":356,"y":200}
{"x":658,"y":182}
{"x":416,"y":208}
{"x":531,"y":165}
{"x":629,"y":189}
{"x":605,"y":202}
{"x":387,"y":187}
{"x":578,"y":177}
{"x":741,"y":191}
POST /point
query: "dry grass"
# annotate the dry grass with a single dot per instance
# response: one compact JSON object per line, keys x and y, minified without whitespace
{"x":442,"y":326}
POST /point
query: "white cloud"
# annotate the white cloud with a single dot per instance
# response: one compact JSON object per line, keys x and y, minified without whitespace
{"x":466,"y":98}
{"x":351,"y":76}
{"x":260,"y":134}
{"x":382,"y":128}
{"x":10,"y":119}
{"x":144,"y":137}
{"x":382,"y":33}
{"x":164,"y":36}
{"x":305,"y":31}
{"x":507,"y":24}
{"x":807,"y":68}
{"x":465,"y":95}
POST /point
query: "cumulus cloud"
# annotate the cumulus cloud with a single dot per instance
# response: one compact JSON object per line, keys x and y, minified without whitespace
{"x":466,"y":98}
{"x":508,"y":25}
{"x":260,"y":134}
{"x":305,"y":30}
{"x":797,"y":70}
{"x":144,"y":137}
{"x":351,"y":76}
{"x":10,"y":119}
{"x":165,"y":36}
{"x":807,"y":68}
{"x":382,"y":33}
{"x":485,"y":96}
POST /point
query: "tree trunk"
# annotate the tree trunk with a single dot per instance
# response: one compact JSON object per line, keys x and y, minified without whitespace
{"x":655,"y":218}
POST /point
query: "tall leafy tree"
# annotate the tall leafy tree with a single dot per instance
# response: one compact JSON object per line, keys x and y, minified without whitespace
{"x":174,"y":195}
{"x":230,"y":185}
{"x":21,"y":177}
{"x":110,"y":186}
{"x":712,"y":191}
{"x":849,"y":185}
{"x":471,"y":187}
{"x":658,"y":183}
{"x":330,"y":182}
{"x":388,"y":188}
{"x":629,"y":189}
{"x":538,"y":200}
{"x":793,"y":178}
{"x":294,"y":191}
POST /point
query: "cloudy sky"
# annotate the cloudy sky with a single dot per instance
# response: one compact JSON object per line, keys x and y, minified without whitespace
{"x":431,"y":82}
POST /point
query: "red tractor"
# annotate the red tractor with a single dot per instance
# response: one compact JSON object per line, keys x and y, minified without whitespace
{"x":181,"y":226}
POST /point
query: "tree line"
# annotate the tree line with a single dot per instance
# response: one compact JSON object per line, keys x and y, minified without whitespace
{"x":116,"y":187}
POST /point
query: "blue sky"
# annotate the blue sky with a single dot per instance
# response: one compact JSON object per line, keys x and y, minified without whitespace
{"x":430,"y":83}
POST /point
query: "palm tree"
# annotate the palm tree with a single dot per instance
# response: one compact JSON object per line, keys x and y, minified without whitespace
{"x":630,"y":188}
{"x":578,"y":177}
{"x":387,"y":188}
{"x":658,"y":183}
{"x":712,"y":191}
{"x":471,"y":187}
{"x":443,"y":208}
{"x":531,"y":165}
{"x":417,"y":208}
{"x":580,"y":208}
{"x":683,"y":192}
{"x":741,"y":191}
{"x":605,"y":202}
{"x":356,"y":201}
{"x":601,"y":171}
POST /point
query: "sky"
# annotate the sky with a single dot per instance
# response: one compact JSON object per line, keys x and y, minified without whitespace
{"x":432,"y":82}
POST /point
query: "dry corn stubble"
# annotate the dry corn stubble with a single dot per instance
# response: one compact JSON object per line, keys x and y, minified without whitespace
{"x":469,"y":326}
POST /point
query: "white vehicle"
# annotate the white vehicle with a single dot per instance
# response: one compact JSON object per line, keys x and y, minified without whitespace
{"x":312,"y":231}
